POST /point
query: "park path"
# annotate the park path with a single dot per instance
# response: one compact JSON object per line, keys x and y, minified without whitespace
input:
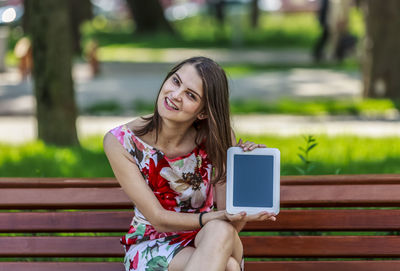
{"x":125,"y":82}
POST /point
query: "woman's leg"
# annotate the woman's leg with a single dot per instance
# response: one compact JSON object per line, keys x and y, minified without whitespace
{"x":215,"y":244}
{"x":179,"y":262}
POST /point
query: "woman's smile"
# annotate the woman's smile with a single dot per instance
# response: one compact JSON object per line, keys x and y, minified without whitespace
{"x":170,"y":105}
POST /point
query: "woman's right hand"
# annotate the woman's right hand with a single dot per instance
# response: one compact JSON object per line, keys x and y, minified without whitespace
{"x":244,"y":217}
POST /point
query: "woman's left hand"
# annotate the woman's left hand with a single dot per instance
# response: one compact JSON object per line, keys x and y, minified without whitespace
{"x":248,"y":145}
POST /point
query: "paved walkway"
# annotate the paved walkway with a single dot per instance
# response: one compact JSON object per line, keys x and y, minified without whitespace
{"x":125,"y":82}
{"x":19,"y":129}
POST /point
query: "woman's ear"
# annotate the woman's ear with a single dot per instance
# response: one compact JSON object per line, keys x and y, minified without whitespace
{"x":202,"y":115}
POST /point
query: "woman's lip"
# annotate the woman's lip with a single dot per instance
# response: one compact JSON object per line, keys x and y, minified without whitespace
{"x":167,"y":106}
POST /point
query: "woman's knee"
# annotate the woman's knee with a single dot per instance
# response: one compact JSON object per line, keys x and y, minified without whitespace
{"x":221,"y":229}
{"x":232,"y":265}
{"x":218,"y":231}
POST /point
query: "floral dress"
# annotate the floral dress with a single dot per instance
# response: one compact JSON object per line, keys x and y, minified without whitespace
{"x":181,"y":184}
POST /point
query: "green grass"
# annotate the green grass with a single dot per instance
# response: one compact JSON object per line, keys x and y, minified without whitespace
{"x":369,"y":107}
{"x":35,"y":159}
{"x":366,"y":107}
{"x":244,"y":69}
{"x":276,"y":30}
{"x":344,"y":154}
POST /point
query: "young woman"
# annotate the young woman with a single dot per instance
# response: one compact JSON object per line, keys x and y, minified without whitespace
{"x":171,"y":164}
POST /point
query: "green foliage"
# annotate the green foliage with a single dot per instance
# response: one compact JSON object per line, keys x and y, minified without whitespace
{"x":35,"y":159}
{"x":105,"y":108}
{"x":369,"y":107}
{"x":275,"y":31}
{"x":307,"y":164}
{"x":142,"y":106}
{"x":244,"y":69}
{"x":350,"y":154}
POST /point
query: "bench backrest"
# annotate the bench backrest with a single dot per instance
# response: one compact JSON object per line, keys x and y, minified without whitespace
{"x":84,"y":218}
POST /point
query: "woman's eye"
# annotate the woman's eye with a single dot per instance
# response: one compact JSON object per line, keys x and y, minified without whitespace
{"x":176,"y":81}
{"x":191,"y":95}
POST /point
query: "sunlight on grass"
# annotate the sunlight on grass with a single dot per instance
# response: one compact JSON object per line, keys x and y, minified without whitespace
{"x":344,"y":154}
{"x":349,"y":154}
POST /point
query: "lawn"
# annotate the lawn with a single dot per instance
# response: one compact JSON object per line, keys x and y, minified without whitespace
{"x":332,"y":155}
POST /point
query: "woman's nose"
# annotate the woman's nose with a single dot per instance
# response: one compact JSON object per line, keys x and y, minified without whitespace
{"x":177,"y":94}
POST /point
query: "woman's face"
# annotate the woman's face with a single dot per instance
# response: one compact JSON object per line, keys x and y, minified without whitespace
{"x":181,"y":96}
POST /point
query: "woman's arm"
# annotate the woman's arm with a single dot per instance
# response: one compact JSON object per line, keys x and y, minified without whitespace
{"x":133,"y":184}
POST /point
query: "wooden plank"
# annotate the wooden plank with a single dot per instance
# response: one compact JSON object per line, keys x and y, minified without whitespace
{"x":64,"y":198}
{"x":323,"y":265}
{"x":119,"y":221}
{"x":57,"y":182}
{"x":7,"y":182}
{"x":254,"y":246}
{"x":291,"y":196}
{"x":106,"y":221}
{"x":99,"y":246}
{"x":249,"y":266}
{"x":340,"y":195}
{"x":366,"y":179}
{"x":322,"y":246}
{"x":62,"y":266}
{"x":331,"y":220}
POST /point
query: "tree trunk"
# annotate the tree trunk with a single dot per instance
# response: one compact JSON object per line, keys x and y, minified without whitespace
{"x":381,"y":64}
{"x":149,"y":16}
{"x":79,"y":11}
{"x":51,"y":34}
{"x":254,"y":14}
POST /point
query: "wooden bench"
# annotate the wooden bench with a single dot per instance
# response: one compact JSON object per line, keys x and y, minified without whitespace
{"x":312,"y":207}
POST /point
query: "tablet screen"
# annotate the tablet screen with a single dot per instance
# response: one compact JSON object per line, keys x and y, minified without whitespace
{"x":253,"y":180}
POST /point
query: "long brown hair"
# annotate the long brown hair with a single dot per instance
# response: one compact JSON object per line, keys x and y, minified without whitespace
{"x":216,"y":128}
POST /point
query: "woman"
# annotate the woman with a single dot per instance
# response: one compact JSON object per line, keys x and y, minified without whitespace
{"x":172,"y":166}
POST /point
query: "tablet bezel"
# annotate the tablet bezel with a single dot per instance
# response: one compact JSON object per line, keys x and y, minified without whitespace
{"x":230,"y":177}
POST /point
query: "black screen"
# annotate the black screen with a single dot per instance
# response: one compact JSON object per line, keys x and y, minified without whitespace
{"x":253,"y":180}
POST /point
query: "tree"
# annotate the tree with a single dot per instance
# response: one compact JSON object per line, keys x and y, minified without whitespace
{"x":381,"y":63}
{"x":51,"y":34}
{"x":79,"y":11}
{"x":149,"y":16}
{"x":254,"y":14}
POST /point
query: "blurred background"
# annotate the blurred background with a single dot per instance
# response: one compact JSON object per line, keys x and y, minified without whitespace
{"x":318,"y":79}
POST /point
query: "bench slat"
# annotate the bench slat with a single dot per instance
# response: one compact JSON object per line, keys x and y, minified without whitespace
{"x":24,"y":183}
{"x":62,"y":266}
{"x":249,"y":266}
{"x":99,"y":246}
{"x":331,"y":220}
{"x":323,"y":265}
{"x":118,"y":221}
{"x":322,"y":246}
{"x":373,"y":195}
{"x":64,"y":198}
{"x":91,"y":221}
{"x":254,"y":246}
{"x":15,"y":182}
{"x":106,"y":198}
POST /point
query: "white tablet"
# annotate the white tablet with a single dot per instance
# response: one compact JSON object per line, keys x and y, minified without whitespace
{"x":253,"y":180}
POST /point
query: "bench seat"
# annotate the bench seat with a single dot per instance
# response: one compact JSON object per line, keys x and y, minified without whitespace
{"x":340,"y":222}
